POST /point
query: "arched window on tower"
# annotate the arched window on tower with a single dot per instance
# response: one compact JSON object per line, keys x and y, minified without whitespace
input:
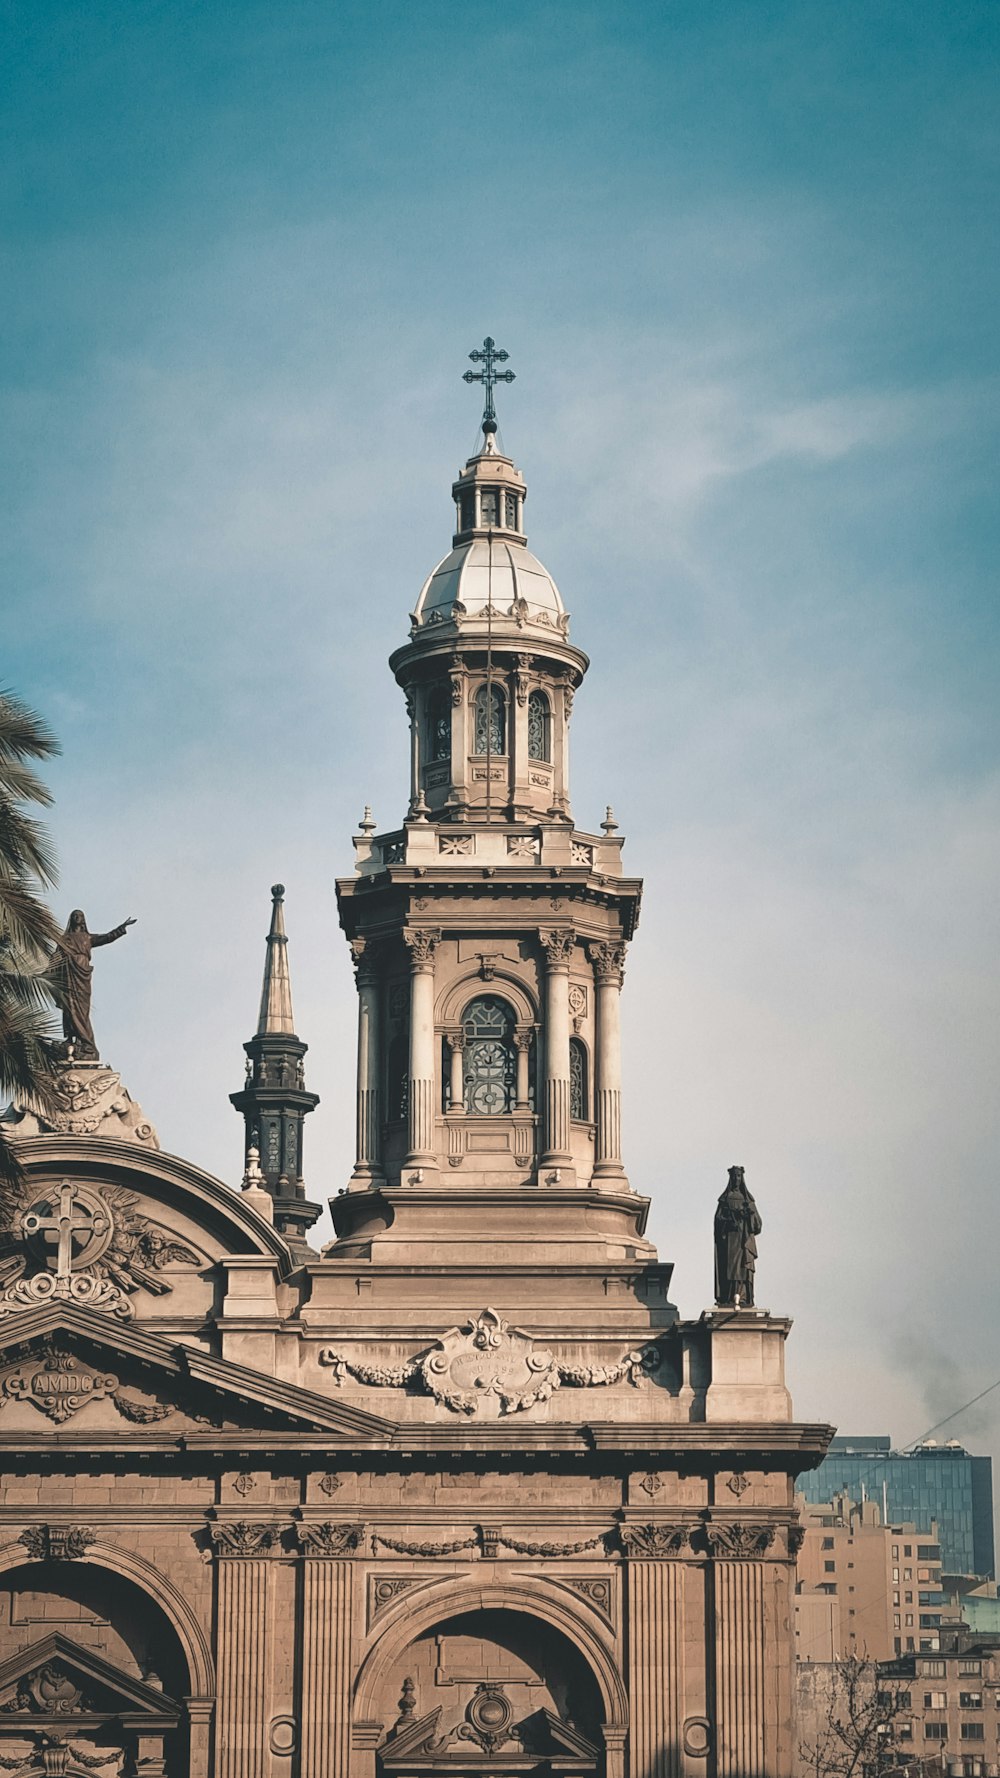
{"x":579,"y":1095}
{"x":439,"y":724}
{"x":489,"y":1056}
{"x":539,"y":727}
{"x":495,"y":732}
{"x":397,"y":1097}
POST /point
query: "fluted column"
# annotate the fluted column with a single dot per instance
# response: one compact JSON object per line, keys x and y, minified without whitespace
{"x":326,"y":1648}
{"x":655,"y":1579}
{"x":368,"y":1158}
{"x":608,"y":961}
{"x":738,"y":1590}
{"x":558,"y":948}
{"x":243,"y":1639}
{"x":422,"y":944}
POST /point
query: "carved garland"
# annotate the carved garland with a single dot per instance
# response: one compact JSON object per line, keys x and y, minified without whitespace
{"x":486,"y":1356}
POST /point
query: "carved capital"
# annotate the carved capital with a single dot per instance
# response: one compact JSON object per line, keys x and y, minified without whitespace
{"x":330,"y":1540}
{"x":422,"y":942}
{"x":365,"y":958}
{"x":522,"y":1039}
{"x":609,"y":962}
{"x":241,"y":1538}
{"x":456,"y":1040}
{"x":56,"y":1543}
{"x":558,"y":946}
{"x":655,"y":1542}
{"x":727,"y":1540}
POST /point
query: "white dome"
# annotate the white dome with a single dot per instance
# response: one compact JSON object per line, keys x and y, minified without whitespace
{"x":521,"y":589}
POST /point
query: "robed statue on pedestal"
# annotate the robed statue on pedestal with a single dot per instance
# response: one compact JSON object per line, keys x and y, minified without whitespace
{"x":737,"y":1223}
{"x":70,"y":976}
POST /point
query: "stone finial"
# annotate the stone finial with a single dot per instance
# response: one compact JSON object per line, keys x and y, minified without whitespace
{"x":367,"y":823}
{"x":609,"y":825}
{"x":254,"y":1190}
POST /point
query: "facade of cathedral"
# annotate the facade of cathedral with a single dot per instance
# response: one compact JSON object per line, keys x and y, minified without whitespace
{"x":462,"y":1494}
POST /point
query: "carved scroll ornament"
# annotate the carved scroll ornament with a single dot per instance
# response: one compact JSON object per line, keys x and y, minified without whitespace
{"x":486,"y":1357}
{"x":654,"y":1542}
{"x":731,"y":1539}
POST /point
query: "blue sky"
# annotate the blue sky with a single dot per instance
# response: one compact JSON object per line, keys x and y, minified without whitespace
{"x":744,"y":258}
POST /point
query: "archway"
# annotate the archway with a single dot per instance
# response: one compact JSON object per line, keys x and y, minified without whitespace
{"x":90,"y":1643}
{"x":505,"y":1677}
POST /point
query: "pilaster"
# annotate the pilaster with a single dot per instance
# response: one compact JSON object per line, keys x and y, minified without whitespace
{"x":422,"y":942}
{"x":608,"y":961}
{"x":242,"y":1554}
{"x":558,"y":949}
{"x":327,"y":1608}
{"x":368,"y":1154}
{"x":656,"y":1582}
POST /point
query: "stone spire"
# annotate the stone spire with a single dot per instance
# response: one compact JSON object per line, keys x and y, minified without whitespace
{"x":276,"y":997}
{"x":273,"y":1101}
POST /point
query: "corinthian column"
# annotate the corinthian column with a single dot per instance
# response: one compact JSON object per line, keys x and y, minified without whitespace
{"x":558,"y":948}
{"x":608,"y":961}
{"x":367,"y":1165}
{"x":242,"y":1551}
{"x":422,"y":944}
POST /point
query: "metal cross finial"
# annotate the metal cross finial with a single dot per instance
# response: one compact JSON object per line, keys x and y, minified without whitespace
{"x":489,"y":376}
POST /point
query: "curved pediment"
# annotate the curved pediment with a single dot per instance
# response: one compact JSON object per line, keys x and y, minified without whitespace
{"x":134,"y":1232}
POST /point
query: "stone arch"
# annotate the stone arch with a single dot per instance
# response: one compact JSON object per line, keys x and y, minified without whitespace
{"x":416,"y":1614}
{"x":504,"y":984}
{"x":190,"y":1635}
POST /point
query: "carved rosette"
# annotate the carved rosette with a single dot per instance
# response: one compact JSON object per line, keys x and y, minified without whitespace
{"x":727,"y":1540}
{"x":330,"y":1539}
{"x":558,"y":946}
{"x":656,"y":1542}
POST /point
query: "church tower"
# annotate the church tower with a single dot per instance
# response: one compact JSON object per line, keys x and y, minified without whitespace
{"x":274,"y":1101}
{"x":488,"y":932}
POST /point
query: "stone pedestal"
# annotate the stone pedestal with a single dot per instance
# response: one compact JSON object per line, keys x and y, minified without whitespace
{"x":91,"y":1101}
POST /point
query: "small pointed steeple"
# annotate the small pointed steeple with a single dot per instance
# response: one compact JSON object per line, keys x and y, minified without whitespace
{"x":273,"y":1101}
{"x":276,"y":998}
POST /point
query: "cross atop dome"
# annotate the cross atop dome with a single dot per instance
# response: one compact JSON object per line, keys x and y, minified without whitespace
{"x":489,"y":376}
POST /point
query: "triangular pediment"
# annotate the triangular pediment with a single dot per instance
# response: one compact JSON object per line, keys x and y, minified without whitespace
{"x":153,"y":1382}
{"x":56,"y":1680}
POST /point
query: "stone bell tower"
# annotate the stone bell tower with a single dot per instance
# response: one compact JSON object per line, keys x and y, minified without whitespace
{"x":488,"y":932}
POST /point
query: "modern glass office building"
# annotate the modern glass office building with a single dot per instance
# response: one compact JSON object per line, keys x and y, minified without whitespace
{"x":940,"y":1483}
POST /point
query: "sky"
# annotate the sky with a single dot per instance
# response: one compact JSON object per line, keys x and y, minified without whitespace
{"x":745,"y":260}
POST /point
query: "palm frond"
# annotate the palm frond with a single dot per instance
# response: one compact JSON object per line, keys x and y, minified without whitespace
{"x":23,"y":733}
{"x":11,"y":1170}
{"x":26,"y":924}
{"x":21,"y":784}
{"x":25,"y":847}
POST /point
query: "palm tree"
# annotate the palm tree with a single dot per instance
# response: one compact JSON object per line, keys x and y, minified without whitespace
{"x":28,"y":930}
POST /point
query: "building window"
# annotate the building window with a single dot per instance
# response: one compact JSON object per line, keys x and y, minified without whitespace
{"x":467,"y":511}
{"x":829,"y":1567}
{"x":935,"y":1700}
{"x":904,"y":1731}
{"x":439,"y":724}
{"x":903,"y":1700}
{"x":907,"y":1549}
{"x":491,"y":738}
{"x":510,"y":511}
{"x":970,"y":1700}
{"x":932,"y":1669}
{"x":828,"y":1543}
{"x":490,"y":1061}
{"x":539,"y":727}
{"x":935,"y":1731}
{"x":972,"y":1731}
{"x":578,"y":1095}
{"x":967,"y":1668}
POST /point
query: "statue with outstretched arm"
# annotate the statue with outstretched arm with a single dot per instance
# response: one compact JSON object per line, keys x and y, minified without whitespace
{"x":71,"y":975}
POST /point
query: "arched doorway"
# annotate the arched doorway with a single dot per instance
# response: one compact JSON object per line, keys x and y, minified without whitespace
{"x":490,"y":1691}
{"x":89,"y":1665}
